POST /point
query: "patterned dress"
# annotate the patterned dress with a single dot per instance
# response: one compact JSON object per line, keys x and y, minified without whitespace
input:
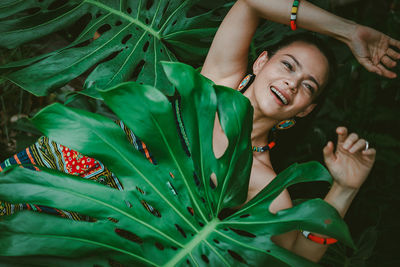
{"x":47,"y":153}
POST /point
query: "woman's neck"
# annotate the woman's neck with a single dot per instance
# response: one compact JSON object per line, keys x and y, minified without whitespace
{"x":262,"y":124}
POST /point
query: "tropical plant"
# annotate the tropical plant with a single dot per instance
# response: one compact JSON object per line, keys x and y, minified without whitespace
{"x":167,"y":213}
{"x":117,"y":40}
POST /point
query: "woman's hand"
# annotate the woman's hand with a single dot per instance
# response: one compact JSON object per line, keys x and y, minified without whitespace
{"x":350,"y":164}
{"x":374,"y":50}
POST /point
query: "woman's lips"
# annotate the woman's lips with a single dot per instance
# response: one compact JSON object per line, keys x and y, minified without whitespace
{"x":280,"y":95}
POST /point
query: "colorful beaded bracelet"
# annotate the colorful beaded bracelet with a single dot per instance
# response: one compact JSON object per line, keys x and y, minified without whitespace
{"x":293,"y":15}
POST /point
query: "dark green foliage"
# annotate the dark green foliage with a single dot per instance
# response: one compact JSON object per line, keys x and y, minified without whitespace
{"x":183,"y":223}
{"x":133,"y":37}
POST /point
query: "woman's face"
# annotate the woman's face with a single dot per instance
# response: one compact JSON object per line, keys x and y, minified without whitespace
{"x":287,"y":83}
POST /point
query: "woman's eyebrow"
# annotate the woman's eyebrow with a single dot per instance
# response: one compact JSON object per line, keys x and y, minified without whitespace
{"x":300,"y":66}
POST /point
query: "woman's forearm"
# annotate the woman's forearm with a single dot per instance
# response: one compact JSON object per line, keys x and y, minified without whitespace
{"x":340,"y":198}
{"x":309,"y":17}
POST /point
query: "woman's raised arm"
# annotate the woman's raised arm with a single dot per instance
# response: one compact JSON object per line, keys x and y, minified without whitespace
{"x":226,"y":62}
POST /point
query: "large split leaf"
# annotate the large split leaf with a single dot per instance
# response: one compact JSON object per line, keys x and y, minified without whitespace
{"x":167,"y":213}
{"x":135,"y":35}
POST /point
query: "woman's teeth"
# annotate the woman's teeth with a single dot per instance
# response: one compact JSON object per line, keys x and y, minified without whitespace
{"x":282,"y":98}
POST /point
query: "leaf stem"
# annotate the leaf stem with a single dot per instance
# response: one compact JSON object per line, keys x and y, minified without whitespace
{"x":200,"y":237}
{"x":125,"y":16}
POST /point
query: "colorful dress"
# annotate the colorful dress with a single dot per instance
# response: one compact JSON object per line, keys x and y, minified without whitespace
{"x":47,"y":153}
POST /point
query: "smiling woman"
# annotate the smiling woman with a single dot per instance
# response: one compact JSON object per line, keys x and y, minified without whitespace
{"x":288,"y":83}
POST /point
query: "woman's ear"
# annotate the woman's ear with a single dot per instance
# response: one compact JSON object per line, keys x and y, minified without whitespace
{"x":306,"y":111}
{"x":260,"y":61}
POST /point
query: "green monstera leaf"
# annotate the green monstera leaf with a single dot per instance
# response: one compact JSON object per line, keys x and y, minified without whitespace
{"x":167,"y":213}
{"x":134,"y":36}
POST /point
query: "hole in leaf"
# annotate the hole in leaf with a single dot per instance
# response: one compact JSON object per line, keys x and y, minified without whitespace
{"x":173,"y":23}
{"x":191,"y":211}
{"x":83,"y":44}
{"x":98,"y":14}
{"x":161,"y":50}
{"x":112,"y":220}
{"x":126,"y":38}
{"x":150,"y":208}
{"x":220,"y":141}
{"x":236,"y":256}
{"x":137,"y":70}
{"x":205,"y":258}
{"x":104,"y":28}
{"x":213,"y":181}
{"x":140,"y":190}
{"x":201,"y":224}
{"x":56,"y":4}
{"x":110,"y":57}
{"x":172,"y":176}
{"x":242,"y":232}
{"x":196,"y":180}
{"x":172,"y":188}
{"x":129,"y":235}
{"x":216,"y":241}
{"x":174,"y":248}
{"x":147,"y":21}
{"x":244,"y":215}
{"x":269,"y":251}
{"x":203,"y":200}
{"x":165,"y":9}
{"x":129,"y":10}
{"x":118,"y":23}
{"x":180,"y":230}
{"x":187,"y":261}
{"x":159,"y":246}
{"x":146,"y":46}
{"x":149,"y":4}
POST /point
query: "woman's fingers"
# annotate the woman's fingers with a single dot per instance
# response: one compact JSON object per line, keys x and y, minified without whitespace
{"x":350,"y":140}
{"x":369,"y":152}
{"x":328,"y":151}
{"x":394,"y":42}
{"x":385,"y":72}
{"x":369,"y":66}
{"x":358,"y":146}
{"x":388,"y":62}
{"x":393,"y":54}
{"x":342,"y":134}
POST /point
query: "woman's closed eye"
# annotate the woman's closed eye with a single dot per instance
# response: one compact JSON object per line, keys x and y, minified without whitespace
{"x":288,"y":65}
{"x":309,"y":88}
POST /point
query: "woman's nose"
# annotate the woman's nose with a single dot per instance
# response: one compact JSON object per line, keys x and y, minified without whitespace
{"x":292,"y":86}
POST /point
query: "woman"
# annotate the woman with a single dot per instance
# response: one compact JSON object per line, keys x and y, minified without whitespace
{"x":287,"y":84}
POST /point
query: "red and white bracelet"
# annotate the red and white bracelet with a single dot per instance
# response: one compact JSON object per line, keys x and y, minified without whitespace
{"x":317,"y":239}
